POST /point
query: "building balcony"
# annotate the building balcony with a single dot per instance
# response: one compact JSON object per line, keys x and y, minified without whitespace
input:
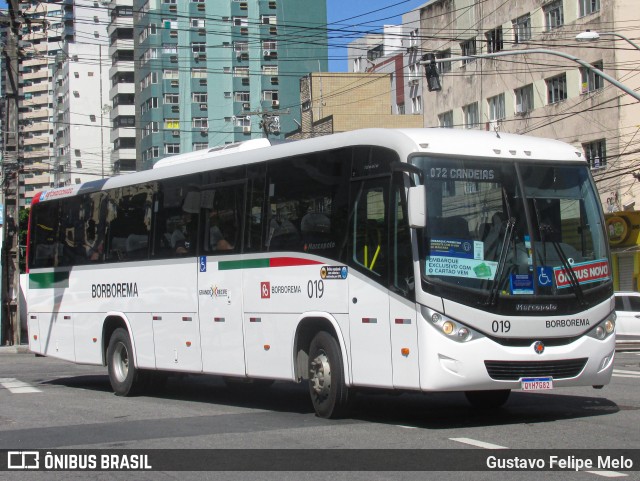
{"x":121,"y":66}
{"x":41,"y":74}
{"x":36,"y":114}
{"x":122,"y":88}
{"x":123,"y":154}
{"x":120,"y":44}
{"x":128,"y":110}
{"x":35,"y":61}
{"x":44,"y":140}
{"x":36,"y":154}
{"x":122,"y":132}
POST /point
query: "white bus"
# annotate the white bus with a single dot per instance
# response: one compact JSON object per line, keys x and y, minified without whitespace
{"x":413,"y":260}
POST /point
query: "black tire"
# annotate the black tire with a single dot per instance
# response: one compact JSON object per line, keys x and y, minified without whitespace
{"x":329,"y":394}
{"x":488,"y":399}
{"x":125,"y":378}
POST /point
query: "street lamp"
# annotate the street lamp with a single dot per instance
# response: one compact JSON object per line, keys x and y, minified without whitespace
{"x":590,"y":36}
{"x":543,"y":51}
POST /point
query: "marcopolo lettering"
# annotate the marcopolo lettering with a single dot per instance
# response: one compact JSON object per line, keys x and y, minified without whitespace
{"x":115,"y":289}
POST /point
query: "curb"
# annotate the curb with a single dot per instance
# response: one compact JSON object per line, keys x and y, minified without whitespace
{"x":20,"y":349}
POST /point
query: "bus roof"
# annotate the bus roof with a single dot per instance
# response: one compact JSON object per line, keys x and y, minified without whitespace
{"x":429,"y":141}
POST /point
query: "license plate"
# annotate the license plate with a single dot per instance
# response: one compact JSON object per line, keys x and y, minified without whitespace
{"x":536,"y":383}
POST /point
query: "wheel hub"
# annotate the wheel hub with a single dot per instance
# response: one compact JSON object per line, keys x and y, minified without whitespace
{"x":320,"y":375}
{"x":121,"y":362}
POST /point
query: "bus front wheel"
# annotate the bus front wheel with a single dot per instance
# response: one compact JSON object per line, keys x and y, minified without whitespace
{"x":125,"y":378}
{"x":488,"y":399}
{"x":329,"y":394}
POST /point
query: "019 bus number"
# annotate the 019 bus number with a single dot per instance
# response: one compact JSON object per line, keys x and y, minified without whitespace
{"x":315,"y":289}
{"x":501,"y":326}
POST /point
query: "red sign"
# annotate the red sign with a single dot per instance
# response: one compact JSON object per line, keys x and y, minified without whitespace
{"x":585,"y":272}
{"x":265,"y":290}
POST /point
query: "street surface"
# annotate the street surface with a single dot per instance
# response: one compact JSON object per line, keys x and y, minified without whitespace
{"x":51,"y":404}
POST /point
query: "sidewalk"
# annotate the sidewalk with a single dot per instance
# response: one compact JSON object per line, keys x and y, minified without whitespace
{"x":16,"y":349}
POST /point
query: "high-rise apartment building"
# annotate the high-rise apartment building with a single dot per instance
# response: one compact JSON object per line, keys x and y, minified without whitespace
{"x":62,"y":59}
{"x":210,"y":73}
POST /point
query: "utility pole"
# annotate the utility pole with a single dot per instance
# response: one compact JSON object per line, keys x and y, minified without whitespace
{"x":10,"y":313}
{"x":270,"y":123}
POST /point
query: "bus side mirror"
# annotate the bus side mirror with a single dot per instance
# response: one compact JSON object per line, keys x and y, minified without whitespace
{"x":417,"y":207}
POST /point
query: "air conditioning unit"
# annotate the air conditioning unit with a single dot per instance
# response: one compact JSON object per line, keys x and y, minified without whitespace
{"x":176,"y":133}
{"x":246,"y":129}
{"x":203,"y":106}
{"x":196,"y":55}
{"x":275,"y":103}
{"x":204,"y":130}
{"x":246,"y":106}
{"x":274,"y":80}
{"x":266,"y":53}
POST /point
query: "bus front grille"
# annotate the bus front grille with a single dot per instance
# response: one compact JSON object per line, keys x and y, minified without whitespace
{"x":514,"y":370}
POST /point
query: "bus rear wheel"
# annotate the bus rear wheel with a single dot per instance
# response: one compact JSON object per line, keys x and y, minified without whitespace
{"x":125,"y":378}
{"x":329,"y":394}
{"x":488,"y":399}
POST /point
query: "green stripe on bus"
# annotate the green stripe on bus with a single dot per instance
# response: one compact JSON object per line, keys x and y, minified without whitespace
{"x":269,"y":262}
{"x":243,"y":264}
{"x":49,"y":280}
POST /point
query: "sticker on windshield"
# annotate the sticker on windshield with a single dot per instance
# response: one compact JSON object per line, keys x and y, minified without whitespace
{"x":463,"y":248}
{"x":460,"y":267}
{"x":545,"y":276}
{"x":521,"y":284}
{"x":585,"y":272}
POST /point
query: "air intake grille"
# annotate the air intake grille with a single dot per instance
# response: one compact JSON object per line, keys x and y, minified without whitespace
{"x":514,"y":370}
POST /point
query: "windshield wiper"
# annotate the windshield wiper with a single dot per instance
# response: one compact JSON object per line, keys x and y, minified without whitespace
{"x":502,"y":258}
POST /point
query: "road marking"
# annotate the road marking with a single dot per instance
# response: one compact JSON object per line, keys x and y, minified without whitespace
{"x":17,"y":387}
{"x":608,"y":474}
{"x":480,"y":444}
{"x":626,"y":375}
{"x":620,"y":371}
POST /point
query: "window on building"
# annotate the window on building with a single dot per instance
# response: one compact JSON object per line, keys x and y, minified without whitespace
{"x":240,"y":21}
{"x":197,"y":22}
{"x":496,"y":108}
{"x":444,"y":67}
{"x":494,"y":40}
{"x":241,"y":72}
{"x":524,"y":99}
{"x":468,"y":47}
{"x":241,"y":96}
{"x":590,"y":81}
{"x":199,"y":97}
{"x":200,"y":146}
{"x":588,"y":7}
{"x":375,"y":52}
{"x":171,"y":99}
{"x":171,"y":148}
{"x":170,"y":48}
{"x":416,"y":104}
{"x":553,"y":15}
{"x":522,"y":28}
{"x":269,"y":45}
{"x":556,"y":88}
{"x":445,"y":119}
{"x":199,"y":73}
{"x":596,"y":153}
{"x":241,"y":121}
{"x":268,"y":19}
{"x":471,"y":115}
{"x":270,"y":95}
{"x":172,"y":124}
{"x":200,"y":122}
{"x":170,"y":73}
{"x":356,"y":64}
{"x":270,"y":70}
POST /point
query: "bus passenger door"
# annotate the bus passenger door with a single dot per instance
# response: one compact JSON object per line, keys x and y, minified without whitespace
{"x":220,"y":280}
{"x":368,"y":293}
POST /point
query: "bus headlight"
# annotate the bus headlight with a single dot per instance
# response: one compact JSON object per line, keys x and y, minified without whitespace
{"x":604,"y":328}
{"x":450,"y":328}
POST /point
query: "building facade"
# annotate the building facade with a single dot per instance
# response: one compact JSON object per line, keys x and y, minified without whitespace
{"x":395,"y":51}
{"x":58,"y":137}
{"x":339,"y":102}
{"x":541,"y":94}
{"x":211,"y":73}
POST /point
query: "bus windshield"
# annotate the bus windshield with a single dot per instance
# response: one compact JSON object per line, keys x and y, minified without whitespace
{"x":512,"y":229}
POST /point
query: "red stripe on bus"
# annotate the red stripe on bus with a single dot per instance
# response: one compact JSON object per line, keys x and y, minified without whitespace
{"x":291,"y":261}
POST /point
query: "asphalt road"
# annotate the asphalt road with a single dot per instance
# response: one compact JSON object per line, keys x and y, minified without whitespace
{"x":51,"y":404}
